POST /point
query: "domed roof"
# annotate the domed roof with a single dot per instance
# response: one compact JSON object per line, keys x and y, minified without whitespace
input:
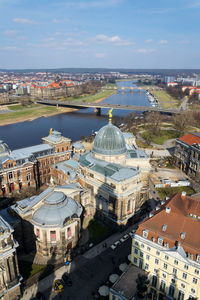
{"x":109,"y":141}
{"x":56,"y":210}
{"x":4,"y":149}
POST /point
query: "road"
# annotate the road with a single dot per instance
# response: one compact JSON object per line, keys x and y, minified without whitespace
{"x":93,"y":273}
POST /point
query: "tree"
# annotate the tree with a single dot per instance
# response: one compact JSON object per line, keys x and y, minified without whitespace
{"x":142,"y":285}
{"x":181,"y":122}
{"x":153,"y":123}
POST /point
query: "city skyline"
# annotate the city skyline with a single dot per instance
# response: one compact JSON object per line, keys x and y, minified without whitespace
{"x":94,"y":34}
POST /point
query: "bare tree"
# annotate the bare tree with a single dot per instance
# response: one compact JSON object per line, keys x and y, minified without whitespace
{"x":181,"y":122}
{"x":153,"y":122}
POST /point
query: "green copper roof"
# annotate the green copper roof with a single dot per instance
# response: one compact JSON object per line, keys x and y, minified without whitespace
{"x":109,"y":141}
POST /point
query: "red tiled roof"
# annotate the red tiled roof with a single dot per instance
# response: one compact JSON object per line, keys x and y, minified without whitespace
{"x":190,"y":139}
{"x":178,"y":220}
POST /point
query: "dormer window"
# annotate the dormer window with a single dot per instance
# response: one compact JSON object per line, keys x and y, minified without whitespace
{"x":164,"y":227}
{"x":183,"y":234}
{"x":145,"y":233}
{"x":160,"y":241}
{"x":198,"y":257}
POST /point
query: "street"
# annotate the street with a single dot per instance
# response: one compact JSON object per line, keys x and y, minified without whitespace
{"x":93,"y":273}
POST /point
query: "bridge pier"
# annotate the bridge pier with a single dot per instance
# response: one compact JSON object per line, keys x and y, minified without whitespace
{"x":97,"y":110}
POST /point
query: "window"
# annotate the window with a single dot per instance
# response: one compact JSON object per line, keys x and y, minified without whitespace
{"x":180,"y":295}
{"x":196,"y":271}
{"x":146,"y":266}
{"x":184,"y":275}
{"x":166,"y":257}
{"x":69,"y":232}
{"x":136,"y":251}
{"x":38,"y":233}
{"x":10,"y":175}
{"x":154,"y":281}
{"x":176,"y":262}
{"x":135,"y":260}
{"x":148,"y":248}
{"x":145,"y":233}
{"x":53,"y":235}
{"x":174,"y":271}
{"x":194,"y":280}
{"x":171,"y":291}
{"x":28,"y":176}
{"x":183,"y":285}
{"x":193,"y":291}
{"x":136,"y":243}
{"x":162,"y":286}
{"x":156,"y":261}
{"x":157,"y":253}
{"x":129,"y":206}
{"x":147,"y":257}
{"x":141,"y":254}
{"x":186,"y":267}
{"x":142,"y":245}
{"x":160,"y":241}
{"x":165,"y":266}
{"x":164,"y":275}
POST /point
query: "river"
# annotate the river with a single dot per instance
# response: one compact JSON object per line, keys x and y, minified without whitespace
{"x":73,"y":125}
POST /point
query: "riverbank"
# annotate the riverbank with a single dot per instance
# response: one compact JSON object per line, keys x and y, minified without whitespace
{"x":163,"y":98}
{"x":37,"y":111}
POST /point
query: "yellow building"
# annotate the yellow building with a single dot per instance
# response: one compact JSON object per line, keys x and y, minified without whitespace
{"x":167,"y":246}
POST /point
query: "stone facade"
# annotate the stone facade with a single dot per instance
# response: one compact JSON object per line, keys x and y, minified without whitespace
{"x":30,"y":167}
{"x":187,"y":155}
{"x":10,"y":278}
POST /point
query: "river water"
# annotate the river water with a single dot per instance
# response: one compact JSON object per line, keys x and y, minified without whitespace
{"x":73,"y":125}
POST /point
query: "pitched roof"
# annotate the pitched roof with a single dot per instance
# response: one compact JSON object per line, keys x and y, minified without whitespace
{"x":191,"y":138}
{"x":181,"y":224}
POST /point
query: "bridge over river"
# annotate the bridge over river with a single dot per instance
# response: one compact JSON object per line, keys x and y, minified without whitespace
{"x":98,"y":106}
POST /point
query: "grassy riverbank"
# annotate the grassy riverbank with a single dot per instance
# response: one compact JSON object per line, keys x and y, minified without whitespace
{"x":164,"y":99}
{"x":22,"y":113}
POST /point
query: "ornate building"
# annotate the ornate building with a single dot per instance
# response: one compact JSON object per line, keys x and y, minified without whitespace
{"x":49,"y":223}
{"x":187,"y":154}
{"x":10,"y":278}
{"x":116,"y":175}
{"x":30,"y":166}
{"x":167,"y":246}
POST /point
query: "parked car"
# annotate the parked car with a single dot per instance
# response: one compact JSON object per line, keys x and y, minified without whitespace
{"x":58,"y":285}
{"x":66,"y":279}
{"x":114,"y":246}
{"x":124,"y":238}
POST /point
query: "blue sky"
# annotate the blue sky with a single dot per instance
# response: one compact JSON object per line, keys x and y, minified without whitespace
{"x":100,"y":33}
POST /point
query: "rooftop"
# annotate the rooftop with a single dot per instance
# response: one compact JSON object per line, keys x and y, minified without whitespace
{"x":191,"y":138}
{"x":126,"y":284}
{"x":175,"y":222}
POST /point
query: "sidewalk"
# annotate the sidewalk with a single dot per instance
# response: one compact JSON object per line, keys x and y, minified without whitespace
{"x":46,"y":283}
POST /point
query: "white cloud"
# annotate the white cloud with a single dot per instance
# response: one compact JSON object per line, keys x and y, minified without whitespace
{"x":24,"y":21}
{"x":10,"y":33}
{"x":10,"y":48}
{"x":100,"y":55}
{"x":163,"y":42}
{"x":115,"y":40}
{"x":144,"y":50}
{"x":149,"y":41}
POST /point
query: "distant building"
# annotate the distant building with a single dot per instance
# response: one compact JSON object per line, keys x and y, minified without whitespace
{"x":167,"y":246}
{"x":30,"y":166}
{"x":10,"y":279}
{"x":187,"y":154}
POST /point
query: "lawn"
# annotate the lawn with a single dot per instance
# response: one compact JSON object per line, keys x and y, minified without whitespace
{"x":92,"y":98}
{"x":170,"y":191}
{"x":31,"y":113}
{"x":163,"y":136}
{"x":27,"y":269}
{"x":98,"y":232}
{"x":19,"y":107}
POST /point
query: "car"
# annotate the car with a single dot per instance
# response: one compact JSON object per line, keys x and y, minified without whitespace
{"x":58,"y":285}
{"x":66,"y":279}
{"x":114,"y":246}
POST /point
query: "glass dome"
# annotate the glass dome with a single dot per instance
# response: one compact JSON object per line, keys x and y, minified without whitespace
{"x":4,"y":149}
{"x":109,"y":141}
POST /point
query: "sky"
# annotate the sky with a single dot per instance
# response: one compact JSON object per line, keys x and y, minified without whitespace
{"x":100,"y":34}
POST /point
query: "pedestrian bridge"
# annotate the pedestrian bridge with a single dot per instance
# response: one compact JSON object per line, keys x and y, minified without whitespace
{"x":98,"y":106}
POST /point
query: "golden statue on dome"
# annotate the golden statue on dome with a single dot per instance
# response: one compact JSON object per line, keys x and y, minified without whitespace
{"x":50,"y":131}
{"x":110,"y":115}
